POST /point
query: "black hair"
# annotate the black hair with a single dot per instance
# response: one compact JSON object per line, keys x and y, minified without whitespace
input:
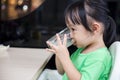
{"x":80,"y":18}
{"x":97,"y":10}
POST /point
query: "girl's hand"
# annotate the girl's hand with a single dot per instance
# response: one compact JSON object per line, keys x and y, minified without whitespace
{"x":60,"y":49}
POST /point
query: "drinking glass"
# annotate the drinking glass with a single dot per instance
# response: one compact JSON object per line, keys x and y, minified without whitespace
{"x":66,"y":31}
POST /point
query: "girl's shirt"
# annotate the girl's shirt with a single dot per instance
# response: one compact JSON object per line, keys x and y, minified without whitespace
{"x":93,"y":65}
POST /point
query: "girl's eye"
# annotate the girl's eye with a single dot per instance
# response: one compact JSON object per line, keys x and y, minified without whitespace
{"x":73,"y":29}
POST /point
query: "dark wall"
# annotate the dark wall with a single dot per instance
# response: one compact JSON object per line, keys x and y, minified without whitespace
{"x":35,"y":28}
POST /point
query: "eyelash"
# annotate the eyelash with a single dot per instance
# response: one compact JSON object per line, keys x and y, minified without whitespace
{"x":72,"y":29}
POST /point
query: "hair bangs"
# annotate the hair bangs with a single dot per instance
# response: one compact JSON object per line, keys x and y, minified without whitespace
{"x":73,"y":17}
{"x":76,"y":14}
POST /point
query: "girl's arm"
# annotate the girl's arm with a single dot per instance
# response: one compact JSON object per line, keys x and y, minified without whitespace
{"x":59,"y":65}
{"x":63,"y":56}
{"x":71,"y":71}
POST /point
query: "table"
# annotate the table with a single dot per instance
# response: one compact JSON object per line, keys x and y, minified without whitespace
{"x":23,"y":63}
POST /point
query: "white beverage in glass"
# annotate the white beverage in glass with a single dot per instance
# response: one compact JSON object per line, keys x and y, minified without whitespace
{"x":66,"y":31}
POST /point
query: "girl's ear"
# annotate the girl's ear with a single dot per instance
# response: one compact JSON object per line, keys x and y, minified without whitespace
{"x":96,"y":27}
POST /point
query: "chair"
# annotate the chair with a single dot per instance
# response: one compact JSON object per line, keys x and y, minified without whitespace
{"x":49,"y":74}
{"x":115,"y":52}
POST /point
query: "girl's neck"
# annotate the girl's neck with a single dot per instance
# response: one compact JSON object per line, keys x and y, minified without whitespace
{"x":94,"y":46}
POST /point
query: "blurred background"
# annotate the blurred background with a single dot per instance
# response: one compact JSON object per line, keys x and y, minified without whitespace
{"x":29,"y":23}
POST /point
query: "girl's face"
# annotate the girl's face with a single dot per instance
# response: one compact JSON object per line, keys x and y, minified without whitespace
{"x":80,"y":36}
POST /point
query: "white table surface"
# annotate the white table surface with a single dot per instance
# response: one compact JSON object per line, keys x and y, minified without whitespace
{"x":22,"y":63}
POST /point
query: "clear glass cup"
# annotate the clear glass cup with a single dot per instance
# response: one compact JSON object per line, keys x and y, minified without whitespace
{"x":66,"y":31}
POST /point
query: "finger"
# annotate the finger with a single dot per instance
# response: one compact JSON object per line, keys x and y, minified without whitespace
{"x":50,"y":50}
{"x":51,"y":45}
{"x":65,"y":40}
{"x":58,"y":39}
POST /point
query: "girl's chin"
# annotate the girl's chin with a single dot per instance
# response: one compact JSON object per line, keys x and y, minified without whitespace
{"x":74,"y":44}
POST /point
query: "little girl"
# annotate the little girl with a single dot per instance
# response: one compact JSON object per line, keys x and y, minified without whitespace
{"x":92,"y":31}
